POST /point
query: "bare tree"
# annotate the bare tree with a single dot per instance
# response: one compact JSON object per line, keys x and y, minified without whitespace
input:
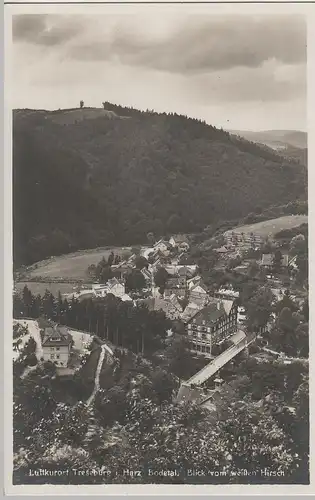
{"x":81,"y":104}
{"x":104,"y":104}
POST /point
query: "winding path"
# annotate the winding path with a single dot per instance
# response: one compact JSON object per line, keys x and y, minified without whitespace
{"x":97,"y":373}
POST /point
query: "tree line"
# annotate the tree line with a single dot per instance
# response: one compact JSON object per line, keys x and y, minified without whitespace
{"x":122,"y":323}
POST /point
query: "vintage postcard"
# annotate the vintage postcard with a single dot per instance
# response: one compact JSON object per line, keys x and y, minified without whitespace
{"x":157,"y":337}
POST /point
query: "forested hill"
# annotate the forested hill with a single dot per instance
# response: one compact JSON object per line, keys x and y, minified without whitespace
{"x":90,"y":177}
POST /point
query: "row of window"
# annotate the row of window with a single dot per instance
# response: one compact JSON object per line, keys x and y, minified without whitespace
{"x":52,"y":356}
{"x":201,"y":348}
{"x":213,"y":329}
{"x":53,"y":348}
{"x":219,"y":334}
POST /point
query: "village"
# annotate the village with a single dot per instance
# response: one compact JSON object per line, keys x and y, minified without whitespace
{"x":213,"y":321}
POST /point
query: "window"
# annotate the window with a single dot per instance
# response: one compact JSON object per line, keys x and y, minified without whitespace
{"x":58,"y":356}
{"x":55,"y":339}
{"x":52,"y":356}
{"x":52,"y":348}
{"x":57,"y":348}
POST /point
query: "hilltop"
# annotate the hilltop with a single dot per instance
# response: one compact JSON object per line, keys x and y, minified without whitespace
{"x":90,"y":177}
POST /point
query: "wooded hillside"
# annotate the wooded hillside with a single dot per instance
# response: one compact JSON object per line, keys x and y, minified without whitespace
{"x":100,"y":181}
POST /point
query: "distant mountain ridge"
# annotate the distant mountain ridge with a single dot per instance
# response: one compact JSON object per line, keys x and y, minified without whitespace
{"x":276,"y":139}
{"x":89,"y":177}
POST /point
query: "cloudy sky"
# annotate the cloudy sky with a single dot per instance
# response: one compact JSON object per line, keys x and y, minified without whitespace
{"x":235,"y":71}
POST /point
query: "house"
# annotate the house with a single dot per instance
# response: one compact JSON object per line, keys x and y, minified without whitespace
{"x":148,"y":276}
{"x":162,"y":246}
{"x":292,"y":263}
{"x":176,"y":285}
{"x":241,"y":316}
{"x":196,"y":280}
{"x":122,"y":269}
{"x":227,"y":293}
{"x":180,"y":241}
{"x":268,"y":258}
{"x":212,"y":325}
{"x":146,"y":252}
{"x":170,"y":306}
{"x":113,"y":286}
{"x":56,"y":344}
{"x":198,"y":294}
{"x":190,"y":311}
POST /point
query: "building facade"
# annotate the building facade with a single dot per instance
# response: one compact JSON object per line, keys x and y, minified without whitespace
{"x":212,"y":325}
{"x":56,"y":345}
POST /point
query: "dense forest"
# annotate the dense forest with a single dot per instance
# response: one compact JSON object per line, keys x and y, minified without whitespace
{"x":98,"y":181}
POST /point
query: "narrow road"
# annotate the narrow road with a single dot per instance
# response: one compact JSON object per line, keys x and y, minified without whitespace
{"x":97,"y":374}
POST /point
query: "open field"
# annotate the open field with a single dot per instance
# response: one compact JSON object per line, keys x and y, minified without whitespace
{"x":72,"y":265}
{"x":40,"y":288}
{"x":272,"y":226}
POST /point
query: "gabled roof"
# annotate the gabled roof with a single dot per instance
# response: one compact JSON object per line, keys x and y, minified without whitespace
{"x":198,"y":289}
{"x":112,"y":282}
{"x":180,"y":238}
{"x":132,"y":258}
{"x":196,"y":280}
{"x":166,"y":305}
{"x":221,"y":250}
{"x":213,"y":311}
{"x":190,"y":311}
{"x":166,"y":243}
{"x":126,"y":298}
{"x":146,"y":273}
{"x":227,"y":304}
{"x":174,"y":300}
{"x":56,"y":336}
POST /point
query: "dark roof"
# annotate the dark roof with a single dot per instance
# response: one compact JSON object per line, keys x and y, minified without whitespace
{"x":56,"y":336}
{"x":178,"y":282}
{"x":213,"y":312}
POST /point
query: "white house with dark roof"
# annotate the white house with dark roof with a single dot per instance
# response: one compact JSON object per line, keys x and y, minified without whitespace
{"x":56,"y":344}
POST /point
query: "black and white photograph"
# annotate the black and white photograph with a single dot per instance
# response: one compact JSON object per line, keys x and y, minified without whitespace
{"x":160,"y":288}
